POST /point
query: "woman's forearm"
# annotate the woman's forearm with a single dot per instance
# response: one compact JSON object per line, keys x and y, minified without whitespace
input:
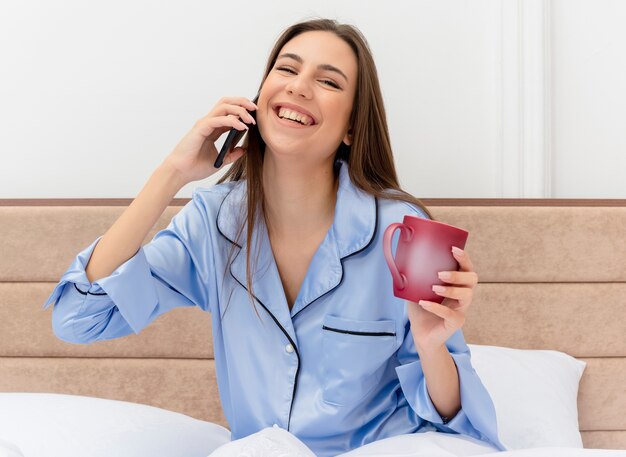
{"x":442,"y":381}
{"x":123,"y":239}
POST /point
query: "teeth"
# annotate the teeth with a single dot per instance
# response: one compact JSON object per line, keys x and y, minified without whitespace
{"x":295,"y":116}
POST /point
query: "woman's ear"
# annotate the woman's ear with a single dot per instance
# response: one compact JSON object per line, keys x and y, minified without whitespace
{"x":348,"y":138}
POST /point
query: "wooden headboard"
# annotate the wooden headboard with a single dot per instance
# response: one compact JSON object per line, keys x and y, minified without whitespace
{"x":552,"y":276}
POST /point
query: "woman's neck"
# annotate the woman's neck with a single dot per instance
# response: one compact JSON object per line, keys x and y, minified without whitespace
{"x":299,"y":198}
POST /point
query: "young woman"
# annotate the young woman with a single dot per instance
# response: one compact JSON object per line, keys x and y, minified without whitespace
{"x":286,"y":253}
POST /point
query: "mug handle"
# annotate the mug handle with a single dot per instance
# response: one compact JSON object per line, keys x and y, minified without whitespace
{"x":399,"y":279}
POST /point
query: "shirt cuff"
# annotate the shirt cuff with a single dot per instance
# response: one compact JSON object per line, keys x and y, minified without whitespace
{"x":75,"y":274}
{"x":412,"y":380}
{"x":130,"y":287}
{"x":413,"y":383}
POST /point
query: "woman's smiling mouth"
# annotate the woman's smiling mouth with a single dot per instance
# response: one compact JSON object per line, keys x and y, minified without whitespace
{"x":293,"y":115}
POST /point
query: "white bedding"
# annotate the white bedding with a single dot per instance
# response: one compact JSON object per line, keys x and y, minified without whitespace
{"x":54,"y":425}
{"x":276,"y":442}
{"x":534,"y":393}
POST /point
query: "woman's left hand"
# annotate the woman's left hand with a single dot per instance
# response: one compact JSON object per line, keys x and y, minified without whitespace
{"x":433,"y":323}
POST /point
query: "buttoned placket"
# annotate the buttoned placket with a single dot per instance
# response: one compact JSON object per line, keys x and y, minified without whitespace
{"x":329,"y":257}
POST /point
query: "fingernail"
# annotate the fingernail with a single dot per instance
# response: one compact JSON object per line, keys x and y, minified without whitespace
{"x":457,"y":251}
{"x":438,"y":289}
{"x":423,"y":303}
{"x":444,"y":275}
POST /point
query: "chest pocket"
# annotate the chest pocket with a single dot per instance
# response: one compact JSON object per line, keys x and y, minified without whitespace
{"x":355,"y":354}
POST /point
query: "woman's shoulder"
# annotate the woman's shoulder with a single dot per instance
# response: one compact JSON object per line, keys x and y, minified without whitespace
{"x":206,"y":202}
{"x":213,"y":196}
{"x":392,"y":210}
{"x":218,"y":189}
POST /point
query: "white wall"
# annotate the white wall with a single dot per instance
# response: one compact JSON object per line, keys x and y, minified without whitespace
{"x":485,"y":98}
{"x":589,"y":93}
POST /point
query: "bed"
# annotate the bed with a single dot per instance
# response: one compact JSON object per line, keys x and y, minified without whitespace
{"x":550,"y":310}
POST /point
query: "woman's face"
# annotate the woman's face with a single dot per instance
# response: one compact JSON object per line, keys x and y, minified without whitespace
{"x":315,"y":76}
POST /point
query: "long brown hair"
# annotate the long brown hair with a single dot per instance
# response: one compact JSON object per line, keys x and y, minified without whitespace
{"x":369,"y":158}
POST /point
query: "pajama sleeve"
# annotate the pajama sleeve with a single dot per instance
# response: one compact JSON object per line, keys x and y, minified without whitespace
{"x":175,"y":269}
{"x":477,"y":416}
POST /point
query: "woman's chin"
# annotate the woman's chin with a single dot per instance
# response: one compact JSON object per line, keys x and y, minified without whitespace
{"x":282,"y":153}
{"x":281,"y":146}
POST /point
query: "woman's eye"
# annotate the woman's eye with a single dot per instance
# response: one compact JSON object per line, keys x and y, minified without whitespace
{"x":328,"y":82}
{"x":331,"y":83}
{"x":289,"y":70}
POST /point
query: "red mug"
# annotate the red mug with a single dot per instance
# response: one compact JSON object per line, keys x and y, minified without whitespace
{"x":424,"y":249}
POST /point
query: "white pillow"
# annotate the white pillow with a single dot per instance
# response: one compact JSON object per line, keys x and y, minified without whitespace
{"x":9,"y":450}
{"x":55,"y":425}
{"x":534,"y":392}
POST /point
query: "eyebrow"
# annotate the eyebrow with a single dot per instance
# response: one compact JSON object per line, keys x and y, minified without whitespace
{"x":324,"y":66}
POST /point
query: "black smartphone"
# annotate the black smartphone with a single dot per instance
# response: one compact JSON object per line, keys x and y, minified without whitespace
{"x":233,"y":138}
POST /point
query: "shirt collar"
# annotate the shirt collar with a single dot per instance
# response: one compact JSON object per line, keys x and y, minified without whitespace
{"x":353,"y":226}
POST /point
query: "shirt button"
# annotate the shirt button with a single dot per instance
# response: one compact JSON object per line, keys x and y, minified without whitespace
{"x":289,"y":348}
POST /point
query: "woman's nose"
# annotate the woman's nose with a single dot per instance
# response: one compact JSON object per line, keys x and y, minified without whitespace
{"x":299,"y":87}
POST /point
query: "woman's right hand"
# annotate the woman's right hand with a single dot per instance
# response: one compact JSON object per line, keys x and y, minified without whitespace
{"x":195,"y":154}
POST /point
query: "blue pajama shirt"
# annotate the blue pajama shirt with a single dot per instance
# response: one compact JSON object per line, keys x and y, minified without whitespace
{"x":338,"y":370}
